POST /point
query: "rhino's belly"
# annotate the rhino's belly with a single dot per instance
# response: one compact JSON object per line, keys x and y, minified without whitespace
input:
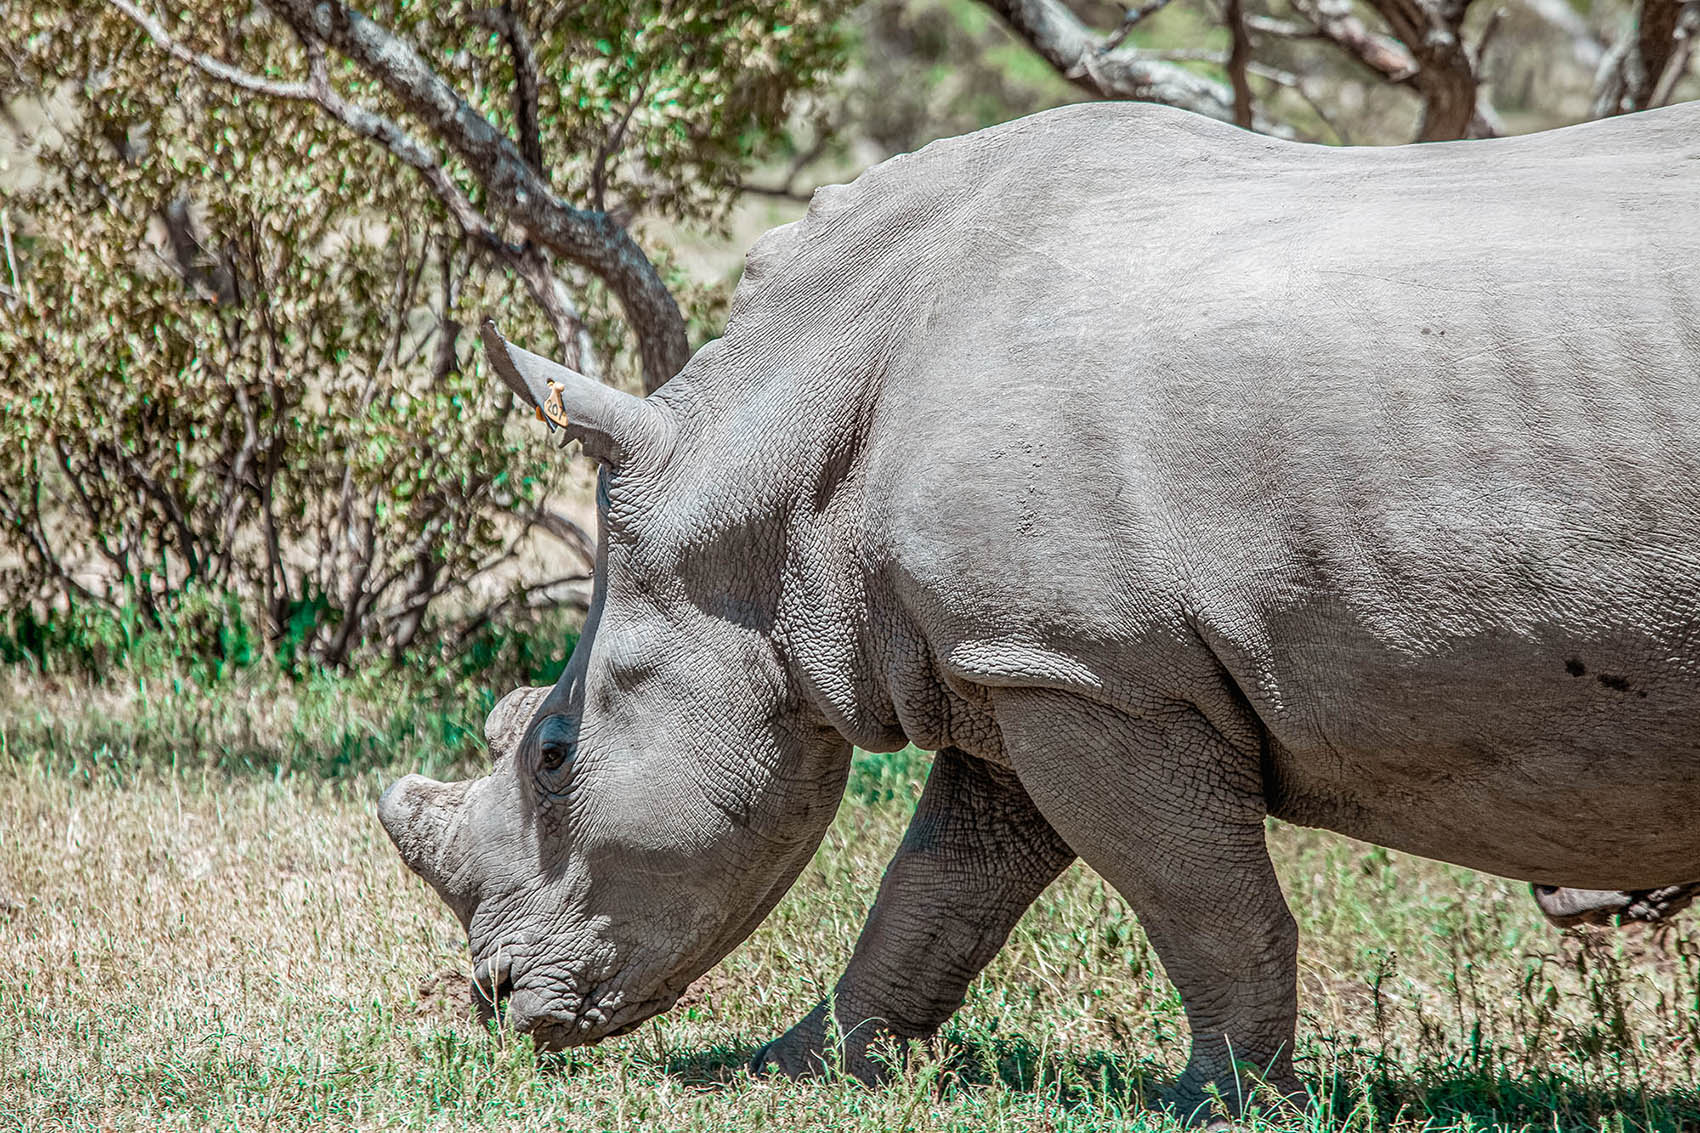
{"x":1585,"y":777}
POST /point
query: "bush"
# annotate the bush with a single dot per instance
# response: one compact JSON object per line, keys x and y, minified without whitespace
{"x":238,"y":365}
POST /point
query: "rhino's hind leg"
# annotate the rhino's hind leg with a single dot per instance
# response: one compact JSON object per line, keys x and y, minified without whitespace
{"x":1173,"y":816}
{"x":976,"y":855}
{"x":1568,"y":908}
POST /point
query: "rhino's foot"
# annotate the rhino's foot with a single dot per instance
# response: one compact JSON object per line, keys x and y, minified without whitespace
{"x":1223,"y":1101}
{"x":1653,"y":906}
{"x":1569,"y":908}
{"x":813,"y":1048}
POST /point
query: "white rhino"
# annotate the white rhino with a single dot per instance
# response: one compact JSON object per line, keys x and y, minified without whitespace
{"x":1161,"y":478}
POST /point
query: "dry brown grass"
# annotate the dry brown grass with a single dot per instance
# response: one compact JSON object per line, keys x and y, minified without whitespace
{"x":195,"y":948}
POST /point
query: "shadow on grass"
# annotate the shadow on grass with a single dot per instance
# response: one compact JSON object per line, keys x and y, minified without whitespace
{"x":1452,"y":1094}
{"x":1369,"y":1092}
{"x":711,"y":1068}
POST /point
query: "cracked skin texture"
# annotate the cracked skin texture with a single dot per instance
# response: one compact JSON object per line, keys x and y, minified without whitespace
{"x":1161,"y":477}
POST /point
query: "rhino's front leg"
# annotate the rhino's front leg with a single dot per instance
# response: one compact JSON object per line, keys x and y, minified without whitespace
{"x":1172,"y":815}
{"x":976,"y":854}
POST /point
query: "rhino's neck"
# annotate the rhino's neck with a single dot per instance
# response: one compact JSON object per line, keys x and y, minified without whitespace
{"x":784,"y":429}
{"x":853,"y":650}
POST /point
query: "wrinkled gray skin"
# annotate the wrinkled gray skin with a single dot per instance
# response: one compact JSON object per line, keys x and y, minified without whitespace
{"x":1161,"y":478}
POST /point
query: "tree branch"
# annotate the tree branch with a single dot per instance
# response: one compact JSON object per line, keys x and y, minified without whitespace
{"x":215,"y":67}
{"x":589,"y":238}
{"x":1634,"y":70}
{"x":1433,"y":32}
{"x":1334,"y":22}
{"x":1239,"y":56}
{"x":1681,"y":53}
{"x":510,"y":25}
{"x":1109,"y":71}
{"x":1132,"y":18}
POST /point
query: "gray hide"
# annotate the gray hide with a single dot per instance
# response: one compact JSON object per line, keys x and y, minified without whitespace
{"x":1160,"y":477}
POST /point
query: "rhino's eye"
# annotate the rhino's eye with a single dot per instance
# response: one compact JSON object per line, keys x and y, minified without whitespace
{"x":554,"y":744}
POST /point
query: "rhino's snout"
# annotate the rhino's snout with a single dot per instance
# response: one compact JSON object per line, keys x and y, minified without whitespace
{"x":421,"y":817}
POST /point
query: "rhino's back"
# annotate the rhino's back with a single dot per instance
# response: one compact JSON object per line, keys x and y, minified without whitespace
{"x":1406,"y":441}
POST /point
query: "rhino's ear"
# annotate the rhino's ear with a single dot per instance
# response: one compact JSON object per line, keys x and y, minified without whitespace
{"x":614,"y":426}
{"x":506,"y":724}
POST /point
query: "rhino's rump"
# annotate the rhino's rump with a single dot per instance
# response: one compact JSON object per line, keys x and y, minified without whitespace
{"x":1408,"y":442}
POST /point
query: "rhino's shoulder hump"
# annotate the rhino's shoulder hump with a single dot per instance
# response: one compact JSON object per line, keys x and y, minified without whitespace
{"x":911,"y":205}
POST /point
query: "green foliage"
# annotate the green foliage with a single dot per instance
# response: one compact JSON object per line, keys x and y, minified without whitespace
{"x":209,"y":635}
{"x":240,"y":361}
{"x":189,"y":693}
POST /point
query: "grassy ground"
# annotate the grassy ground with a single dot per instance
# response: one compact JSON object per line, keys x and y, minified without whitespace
{"x":202,"y":926}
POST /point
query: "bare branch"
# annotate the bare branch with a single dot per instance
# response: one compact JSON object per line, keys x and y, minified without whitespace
{"x":1239,"y":56}
{"x":405,"y":148}
{"x":1432,"y":31}
{"x":366,"y":123}
{"x":1681,"y":54}
{"x":778,"y":192}
{"x":15,"y":292}
{"x":1334,"y":22}
{"x":201,"y":61}
{"x":611,"y":147}
{"x":1052,"y":30}
{"x":786,"y":189}
{"x":1284,"y":29}
{"x":574,"y":536}
{"x":1131,"y":19}
{"x":1634,"y":70}
{"x":1299,"y":87}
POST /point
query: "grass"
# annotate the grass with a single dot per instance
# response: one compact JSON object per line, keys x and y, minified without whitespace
{"x":203,"y":927}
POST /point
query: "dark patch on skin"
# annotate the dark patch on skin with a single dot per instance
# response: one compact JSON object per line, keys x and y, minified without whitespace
{"x":1575,"y":668}
{"x":1615,"y":682}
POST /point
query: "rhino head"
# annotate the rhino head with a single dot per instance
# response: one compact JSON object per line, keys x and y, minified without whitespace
{"x":642,"y":815}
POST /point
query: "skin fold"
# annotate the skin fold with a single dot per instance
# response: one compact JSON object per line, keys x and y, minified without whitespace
{"x":1161,"y":478}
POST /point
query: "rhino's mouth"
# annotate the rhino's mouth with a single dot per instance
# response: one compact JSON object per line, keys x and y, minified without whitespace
{"x":559,"y":1013}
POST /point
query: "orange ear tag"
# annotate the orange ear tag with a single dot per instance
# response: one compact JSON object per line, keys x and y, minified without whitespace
{"x":553,"y":411}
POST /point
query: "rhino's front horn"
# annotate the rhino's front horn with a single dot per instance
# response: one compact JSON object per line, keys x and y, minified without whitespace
{"x":614,"y":426}
{"x":424,"y":818}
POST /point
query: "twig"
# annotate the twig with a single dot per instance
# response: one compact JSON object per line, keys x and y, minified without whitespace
{"x":1681,"y":52}
{"x":1052,"y":29}
{"x":1238,"y":57}
{"x":215,"y":67}
{"x":786,"y":189}
{"x":1131,"y":18}
{"x":510,"y":25}
{"x":590,"y":238}
{"x":611,"y":146}
{"x":13,"y":293}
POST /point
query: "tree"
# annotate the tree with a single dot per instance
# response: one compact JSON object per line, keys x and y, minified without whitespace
{"x":1431,"y":48}
{"x":250,"y":245}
